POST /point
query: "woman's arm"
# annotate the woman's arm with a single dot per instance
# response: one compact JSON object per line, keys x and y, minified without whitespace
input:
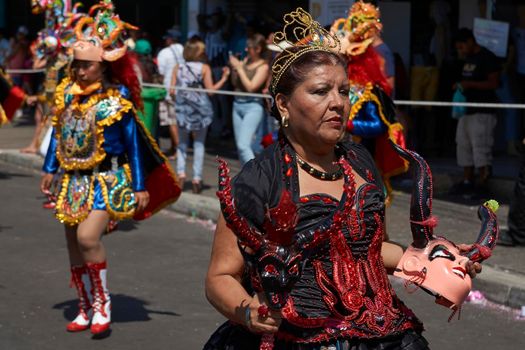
{"x":391,"y":253}
{"x":173,"y":79}
{"x":223,"y":284}
{"x":133,"y":144}
{"x":258,"y":80}
{"x":207,"y":78}
{"x":130,"y":133}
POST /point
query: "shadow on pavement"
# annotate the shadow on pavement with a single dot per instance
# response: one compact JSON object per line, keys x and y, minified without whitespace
{"x":7,"y":176}
{"x":125,"y":308}
{"x":2,"y":228}
{"x":101,"y":336}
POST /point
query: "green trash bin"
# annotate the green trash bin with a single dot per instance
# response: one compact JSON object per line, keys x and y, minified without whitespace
{"x":150,"y":116}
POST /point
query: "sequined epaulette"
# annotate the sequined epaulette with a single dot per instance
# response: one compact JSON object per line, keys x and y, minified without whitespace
{"x":111,"y":108}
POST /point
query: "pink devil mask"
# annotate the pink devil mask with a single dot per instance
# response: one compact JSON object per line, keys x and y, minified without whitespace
{"x":438,"y":268}
{"x":432,"y":262}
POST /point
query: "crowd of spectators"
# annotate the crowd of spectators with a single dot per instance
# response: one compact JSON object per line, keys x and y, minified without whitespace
{"x":244,"y":48}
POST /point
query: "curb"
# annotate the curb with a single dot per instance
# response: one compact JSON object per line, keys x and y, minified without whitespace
{"x":197,"y":206}
{"x":501,"y":286}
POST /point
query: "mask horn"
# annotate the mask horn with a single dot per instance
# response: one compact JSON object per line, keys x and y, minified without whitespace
{"x":488,"y":235}
{"x":422,"y":222}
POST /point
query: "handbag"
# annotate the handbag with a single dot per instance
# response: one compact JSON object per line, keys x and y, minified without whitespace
{"x":195,"y":100}
{"x":458,"y":111}
{"x":197,"y":83}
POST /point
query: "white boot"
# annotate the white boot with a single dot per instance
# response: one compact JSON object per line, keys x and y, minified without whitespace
{"x":101,"y":300}
{"x":80,"y":280}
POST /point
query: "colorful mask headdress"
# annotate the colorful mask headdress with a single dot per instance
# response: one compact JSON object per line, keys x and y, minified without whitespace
{"x":432,"y":262}
{"x":58,"y":32}
{"x":358,"y":30}
{"x":101,"y":37}
{"x":54,"y":10}
{"x":303,"y":34}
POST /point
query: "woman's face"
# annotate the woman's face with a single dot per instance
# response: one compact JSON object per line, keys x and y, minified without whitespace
{"x":318,"y":108}
{"x":87,"y":72}
{"x":253,"y":51}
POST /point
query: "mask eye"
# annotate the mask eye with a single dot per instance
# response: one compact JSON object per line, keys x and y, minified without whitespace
{"x":441,"y":251}
{"x":270,"y":269}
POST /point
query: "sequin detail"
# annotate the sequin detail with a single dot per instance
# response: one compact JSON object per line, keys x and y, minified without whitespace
{"x":75,"y":199}
{"x":118,"y":193}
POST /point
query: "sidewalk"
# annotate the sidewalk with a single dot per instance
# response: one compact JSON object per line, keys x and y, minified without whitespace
{"x":503,"y":277}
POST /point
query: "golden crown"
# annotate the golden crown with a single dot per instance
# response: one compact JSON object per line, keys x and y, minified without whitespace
{"x":306,"y":34}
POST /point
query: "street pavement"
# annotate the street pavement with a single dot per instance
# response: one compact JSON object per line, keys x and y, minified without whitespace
{"x":503,"y":277}
{"x":156,"y":272}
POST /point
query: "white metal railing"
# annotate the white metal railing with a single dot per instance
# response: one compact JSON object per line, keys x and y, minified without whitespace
{"x":248,"y":94}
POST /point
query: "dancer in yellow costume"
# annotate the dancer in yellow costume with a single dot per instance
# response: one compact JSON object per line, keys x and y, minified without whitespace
{"x":110,"y":167}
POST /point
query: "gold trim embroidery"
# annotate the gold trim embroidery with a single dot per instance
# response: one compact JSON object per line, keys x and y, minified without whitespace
{"x":368,"y":96}
{"x":115,"y":215}
{"x":64,"y":218}
{"x":99,"y":153}
{"x":126,"y":106}
{"x":3,"y":117}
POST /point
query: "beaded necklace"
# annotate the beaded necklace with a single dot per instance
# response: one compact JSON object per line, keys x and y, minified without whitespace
{"x":318,"y":174}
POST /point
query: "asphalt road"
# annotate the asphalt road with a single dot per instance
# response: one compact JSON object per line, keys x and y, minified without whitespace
{"x":156,"y":271}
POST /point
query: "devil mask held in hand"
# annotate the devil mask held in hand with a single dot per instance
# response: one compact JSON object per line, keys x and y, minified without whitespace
{"x":432,"y":262}
{"x":275,"y":257}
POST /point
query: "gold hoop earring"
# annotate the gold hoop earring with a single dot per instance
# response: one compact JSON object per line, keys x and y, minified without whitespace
{"x":284,"y":121}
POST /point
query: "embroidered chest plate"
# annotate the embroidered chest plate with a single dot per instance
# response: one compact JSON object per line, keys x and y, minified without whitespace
{"x":80,"y":128}
{"x":78,"y":146}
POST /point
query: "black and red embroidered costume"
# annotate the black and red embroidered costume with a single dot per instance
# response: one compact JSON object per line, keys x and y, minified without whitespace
{"x":342,"y":296}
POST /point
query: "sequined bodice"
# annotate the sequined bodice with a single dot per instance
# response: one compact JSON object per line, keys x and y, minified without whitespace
{"x":343,"y":290}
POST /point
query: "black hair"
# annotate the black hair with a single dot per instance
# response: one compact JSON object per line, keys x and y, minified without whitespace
{"x":463,"y":35}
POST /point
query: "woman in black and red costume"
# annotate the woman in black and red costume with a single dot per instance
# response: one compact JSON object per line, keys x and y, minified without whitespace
{"x":298,"y":259}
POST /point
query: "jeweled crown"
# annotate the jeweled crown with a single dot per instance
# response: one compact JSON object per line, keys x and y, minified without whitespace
{"x":300,"y":34}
